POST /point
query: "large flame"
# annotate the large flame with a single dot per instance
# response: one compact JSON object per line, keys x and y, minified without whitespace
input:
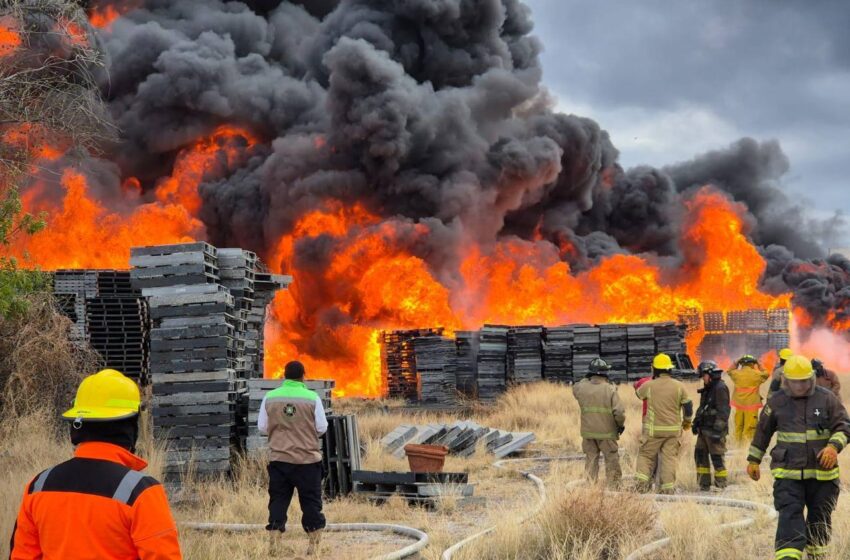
{"x":10,"y":38}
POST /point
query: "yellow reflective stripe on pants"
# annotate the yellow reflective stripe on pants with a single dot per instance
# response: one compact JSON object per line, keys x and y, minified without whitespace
{"x":721,"y":474}
{"x":703,"y":470}
{"x":814,"y":549}
{"x":599,"y":409}
{"x":806,"y":474}
{"x":642,"y":477}
{"x":668,"y":486}
{"x":794,"y":553}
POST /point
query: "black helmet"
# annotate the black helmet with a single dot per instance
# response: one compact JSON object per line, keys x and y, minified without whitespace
{"x":599,"y":367}
{"x":817,"y":365}
{"x":711,"y":368}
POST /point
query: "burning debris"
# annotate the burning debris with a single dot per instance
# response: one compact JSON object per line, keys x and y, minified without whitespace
{"x":403,"y":161}
{"x":758,"y":332}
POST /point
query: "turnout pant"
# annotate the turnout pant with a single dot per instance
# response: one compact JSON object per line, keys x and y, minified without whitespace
{"x":592,"y":448}
{"x":284,"y":478}
{"x":658,"y":449}
{"x":796,"y":532}
{"x":745,"y":424}
{"x":709,"y":452}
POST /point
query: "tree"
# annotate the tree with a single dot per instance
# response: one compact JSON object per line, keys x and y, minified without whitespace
{"x":49,"y":108}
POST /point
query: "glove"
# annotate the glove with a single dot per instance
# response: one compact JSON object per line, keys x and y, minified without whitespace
{"x":694,"y":429}
{"x":828,"y":457}
{"x":686,"y":424}
{"x":754,"y":471}
{"x":620,"y":430}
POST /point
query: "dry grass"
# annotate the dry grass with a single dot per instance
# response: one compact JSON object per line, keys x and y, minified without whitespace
{"x":580,"y":524}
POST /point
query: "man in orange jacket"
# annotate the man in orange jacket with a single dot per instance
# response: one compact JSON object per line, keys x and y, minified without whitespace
{"x":98,"y":504}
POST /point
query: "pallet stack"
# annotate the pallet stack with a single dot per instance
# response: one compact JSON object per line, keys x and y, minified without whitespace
{"x":467,"y":362}
{"x":108,"y":315}
{"x":753,"y":331}
{"x":641,"y":345}
{"x":340,"y":455}
{"x":558,"y":354}
{"x":398,"y":362}
{"x":613,"y":346}
{"x":586,"y":348}
{"x":525,"y":354}
{"x":423,"y":489}
{"x":236,"y":270}
{"x":670,"y":338}
{"x":492,"y":361}
{"x":194,"y":350}
{"x":436,"y":369}
{"x":265,"y":287}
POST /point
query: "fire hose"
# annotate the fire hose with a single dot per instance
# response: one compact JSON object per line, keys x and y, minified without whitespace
{"x":410,"y":550}
{"x":646,"y":549}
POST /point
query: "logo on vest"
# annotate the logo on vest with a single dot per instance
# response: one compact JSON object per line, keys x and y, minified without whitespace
{"x":816,"y":412}
{"x":289,"y":410}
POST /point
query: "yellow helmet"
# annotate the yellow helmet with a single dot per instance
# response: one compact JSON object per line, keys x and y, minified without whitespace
{"x":663,"y":362}
{"x":785,"y":353}
{"x":798,"y":368}
{"x":106,"y":395}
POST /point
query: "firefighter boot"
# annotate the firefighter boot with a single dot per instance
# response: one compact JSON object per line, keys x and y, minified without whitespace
{"x":315,"y":544}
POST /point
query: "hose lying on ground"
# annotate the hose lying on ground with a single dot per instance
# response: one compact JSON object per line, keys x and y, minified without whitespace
{"x":643,"y":551}
{"x":410,"y":550}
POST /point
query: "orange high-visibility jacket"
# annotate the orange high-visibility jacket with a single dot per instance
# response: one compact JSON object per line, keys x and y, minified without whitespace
{"x":747,"y":381}
{"x":97,"y":505}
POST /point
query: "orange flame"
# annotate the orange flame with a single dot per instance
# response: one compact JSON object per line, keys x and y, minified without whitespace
{"x":10,"y":39}
{"x":102,"y":17}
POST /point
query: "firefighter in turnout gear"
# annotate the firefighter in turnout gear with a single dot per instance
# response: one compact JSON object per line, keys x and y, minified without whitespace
{"x":669,"y":411}
{"x":711,"y":425}
{"x":746,"y":399}
{"x":826,"y":378}
{"x":98,"y":504}
{"x":776,"y":376}
{"x":603,"y":419}
{"x":294,"y":419}
{"x":811,"y":427}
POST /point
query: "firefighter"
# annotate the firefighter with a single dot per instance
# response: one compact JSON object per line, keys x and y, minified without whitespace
{"x":711,"y":425}
{"x":98,"y":504}
{"x":826,"y":378}
{"x":746,"y":399}
{"x":294,"y":419}
{"x":603,"y":420}
{"x":811,"y":427}
{"x":776,"y":377}
{"x":669,"y":411}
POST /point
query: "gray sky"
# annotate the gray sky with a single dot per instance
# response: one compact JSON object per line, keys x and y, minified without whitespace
{"x":670,"y":79}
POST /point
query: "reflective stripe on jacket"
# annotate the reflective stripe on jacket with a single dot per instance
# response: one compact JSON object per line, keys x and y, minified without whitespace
{"x":803,"y":427}
{"x":97,"y":505}
{"x":602,"y":413}
{"x":665,"y":398}
{"x":745,"y":395}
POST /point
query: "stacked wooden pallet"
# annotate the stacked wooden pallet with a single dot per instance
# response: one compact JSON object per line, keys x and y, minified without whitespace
{"x":467,"y":362}
{"x":558,"y":354}
{"x":754,"y":331}
{"x":398,"y":362}
{"x":492,"y":356}
{"x":265,"y":287}
{"x":525,"y":354}
{"x":257,"y":390}
{"x":436,"y":369}
{"x":641,"y":344}
{"x":462,"y":438}
{"x":109,"y":315}
{"x":236,"y":270}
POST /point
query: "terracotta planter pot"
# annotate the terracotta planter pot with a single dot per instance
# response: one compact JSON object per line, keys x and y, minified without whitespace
{"x":426,"y":458}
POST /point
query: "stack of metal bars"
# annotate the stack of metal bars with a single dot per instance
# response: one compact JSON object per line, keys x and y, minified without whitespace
{"x":492,"y":356}
{"x":467,"y":362}
{"x":257,"y":390}
{"x":193,"y":355}
{"x":613,"y":346}
{"x":436,"y":370}
{"x":558,"y":354}
{"x":586,"y":348}
{"x":109,"y":315}
{"x":641,"y":344}
{"x":525,"y":354}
